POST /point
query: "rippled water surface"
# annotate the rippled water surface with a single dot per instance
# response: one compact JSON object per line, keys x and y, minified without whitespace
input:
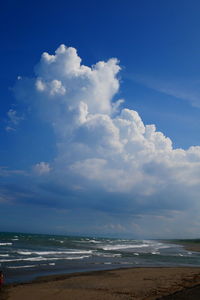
{"x":26,"y":256}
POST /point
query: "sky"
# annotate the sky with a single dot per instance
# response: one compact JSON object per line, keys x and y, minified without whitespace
{"x":100,"y":118}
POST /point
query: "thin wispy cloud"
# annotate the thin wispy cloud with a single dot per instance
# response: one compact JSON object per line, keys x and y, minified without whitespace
{"x":188,"y":90}
{"x":13,"y":120}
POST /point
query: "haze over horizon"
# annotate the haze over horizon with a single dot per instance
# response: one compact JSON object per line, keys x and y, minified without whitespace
{"x":100,"y":118}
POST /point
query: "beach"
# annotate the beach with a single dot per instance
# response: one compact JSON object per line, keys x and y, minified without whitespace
{"x":61,"y":267}
{"x":134,"y":283}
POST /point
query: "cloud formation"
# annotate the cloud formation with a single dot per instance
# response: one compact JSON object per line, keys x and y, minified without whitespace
{"x":181,"y":89}
{"x":13,"y":120}
{"x":42,"y":168}
{"x":106,"y":155}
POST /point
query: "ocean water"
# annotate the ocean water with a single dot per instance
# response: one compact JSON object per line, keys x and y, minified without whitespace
{"x":24,"y":257}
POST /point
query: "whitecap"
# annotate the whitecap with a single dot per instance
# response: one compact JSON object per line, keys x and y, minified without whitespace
{"x":24,"y":252}
{"x":120,"y":246}
{"x":94,"y":241}
{"x":54,"y":252}
{"x":40,"y":258}
{"x":21,"y":267}
{"x":77,"y":257}
{"x":108,"y":254}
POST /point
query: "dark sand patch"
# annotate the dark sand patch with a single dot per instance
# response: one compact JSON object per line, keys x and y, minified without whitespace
{"x":135,"y":283}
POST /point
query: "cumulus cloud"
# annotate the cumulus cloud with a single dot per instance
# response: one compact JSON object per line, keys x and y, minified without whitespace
{"x":42,"y":168}
{"x":63,"y":77}
{"x":103,"y":147}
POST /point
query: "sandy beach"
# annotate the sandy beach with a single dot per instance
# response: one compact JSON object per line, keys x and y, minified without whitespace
{"x":141,"y":283}
{"x":135,"y":283}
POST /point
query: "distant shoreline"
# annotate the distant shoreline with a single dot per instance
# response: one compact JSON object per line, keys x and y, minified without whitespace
{"x":187,"y":244}
{"x":191,"y":247}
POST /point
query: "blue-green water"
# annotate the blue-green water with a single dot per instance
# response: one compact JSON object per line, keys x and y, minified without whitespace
{"x":24,"y":257}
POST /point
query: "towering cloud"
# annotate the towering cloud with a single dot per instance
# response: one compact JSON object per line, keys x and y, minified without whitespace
{"x":102,"y":147}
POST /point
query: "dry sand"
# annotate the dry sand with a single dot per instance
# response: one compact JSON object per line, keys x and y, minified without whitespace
{"x":137,"y":283}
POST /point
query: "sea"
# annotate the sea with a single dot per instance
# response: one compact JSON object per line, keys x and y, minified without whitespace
{"x":24,"y":257}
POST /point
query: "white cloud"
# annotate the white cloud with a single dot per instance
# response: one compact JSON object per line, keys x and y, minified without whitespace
{"x":42,"y":168}
{"x":13,"y":120}
{"x":8,"y":128}
{"x":63,"y":73}
{"x":99,"y":148}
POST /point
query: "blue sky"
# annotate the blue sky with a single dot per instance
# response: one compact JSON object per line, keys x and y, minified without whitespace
{"x":77,"y":155}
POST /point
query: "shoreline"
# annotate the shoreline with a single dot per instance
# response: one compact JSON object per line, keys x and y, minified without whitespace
{"x":141,"y":283}
{"x":190,"y":246}
{"x":125,"y":283}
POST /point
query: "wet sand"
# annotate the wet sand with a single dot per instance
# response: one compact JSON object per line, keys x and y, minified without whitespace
{"x":135,"y":283}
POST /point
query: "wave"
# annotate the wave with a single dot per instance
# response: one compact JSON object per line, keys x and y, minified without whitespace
{"x":21,"y":267}
{"x":4,"y":255}
{"x":6,"y":244}
{"x":77,"y":257}
{"x":29,"y":266}
{"x":108,"y":254}
{"x":24,"y":252}
{"x":158,"y":245}
{"x":120,"y":246}
{"x":88,"y":241}
{"x":161,"y":246}
{"x":40,"y":258}
{"x":54,"y":252}
{"x":94,"y":241}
